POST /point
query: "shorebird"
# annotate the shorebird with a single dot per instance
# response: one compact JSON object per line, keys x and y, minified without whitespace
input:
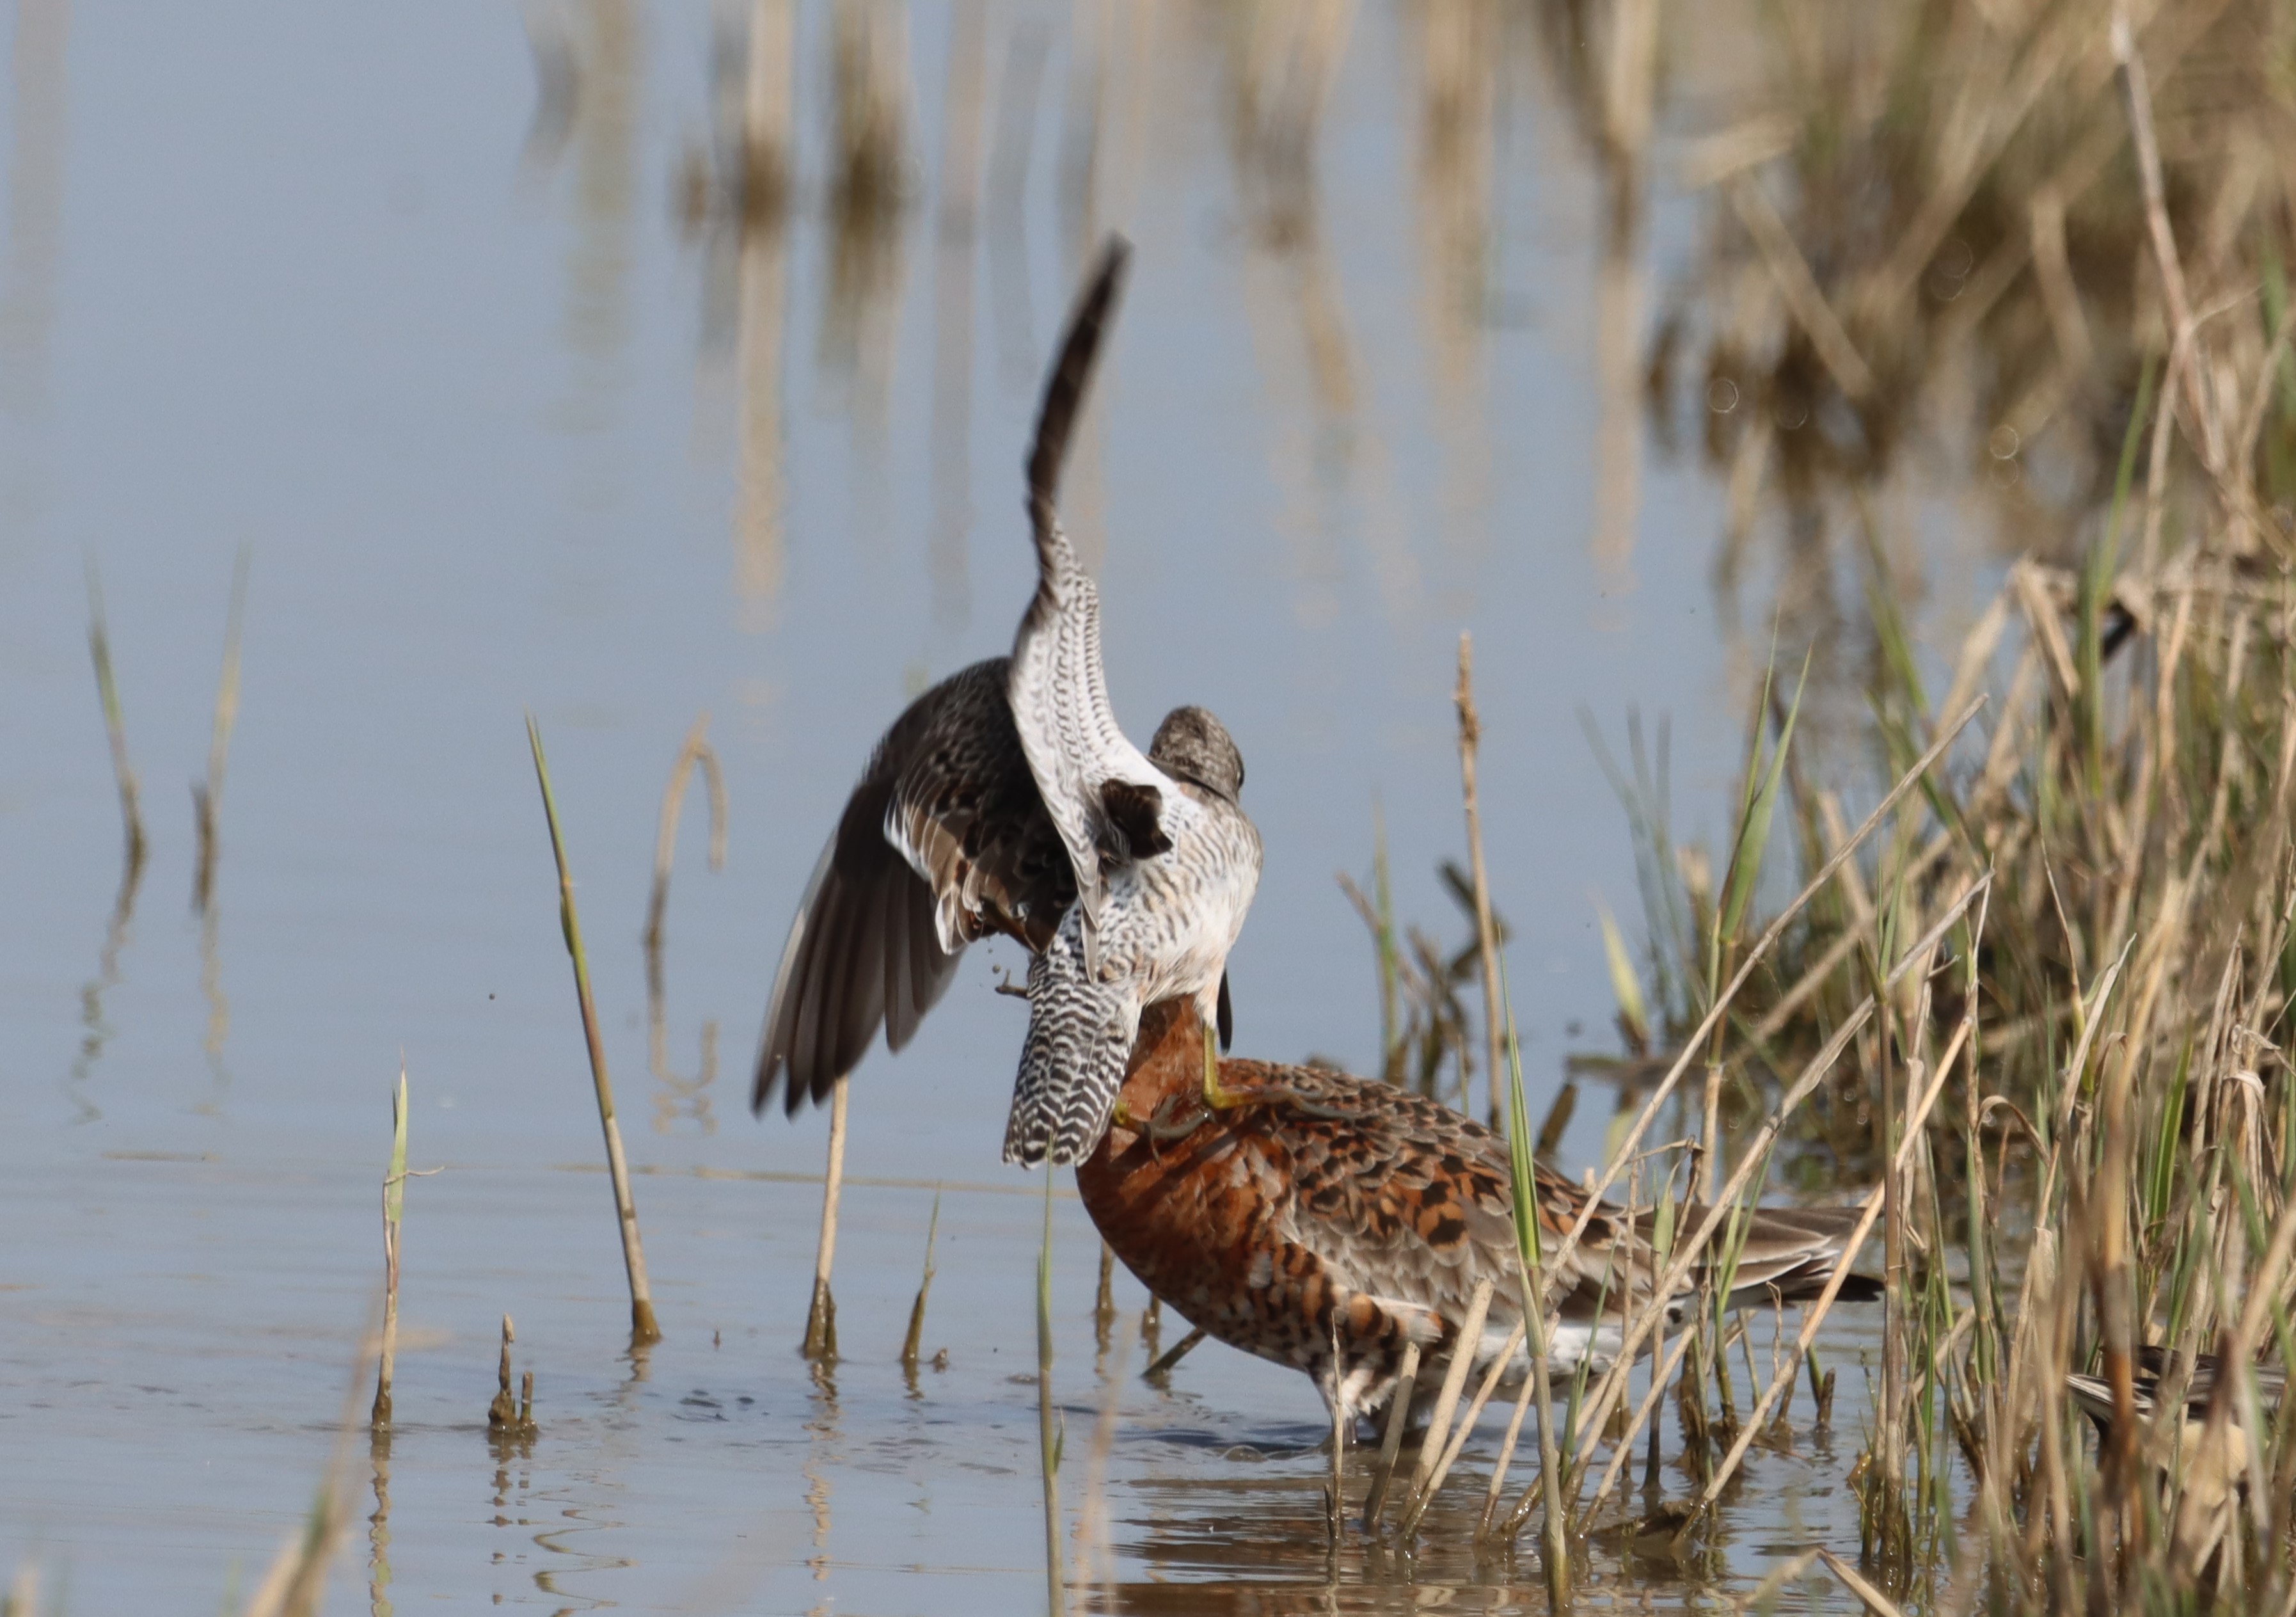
{"x":1312,"y":1197}
{"x":1165,"y":860}
{"x":966,"y":823}
{"x":2093,"y":1394}
{"x":2212,"y":1475}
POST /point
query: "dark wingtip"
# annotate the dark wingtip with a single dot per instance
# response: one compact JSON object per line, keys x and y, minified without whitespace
{"x":1064,"y":388}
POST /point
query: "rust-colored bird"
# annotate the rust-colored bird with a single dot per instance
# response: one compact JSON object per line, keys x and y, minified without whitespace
{"x":1307,"y":1195}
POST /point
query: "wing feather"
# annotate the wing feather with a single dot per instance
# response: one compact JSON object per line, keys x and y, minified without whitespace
{"x":943,"y":840}
{"x":1059,"y":683}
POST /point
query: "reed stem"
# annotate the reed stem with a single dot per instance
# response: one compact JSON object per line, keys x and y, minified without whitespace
{"x":642,"y":1325}
{"x":1470,"y":732}
{"x":394,"y":1199}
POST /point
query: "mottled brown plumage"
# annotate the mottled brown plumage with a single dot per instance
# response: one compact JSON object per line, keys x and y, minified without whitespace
{"x":1319,"y":1192}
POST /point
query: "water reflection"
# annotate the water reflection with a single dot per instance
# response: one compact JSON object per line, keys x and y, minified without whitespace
{"x":557,"y":87}
{"x":823,"y":1451}
{"x":955,"y":248}
{"x":1303,"y":93}
{"x":378,"y":1535}
{"x":1331,"y":475}
{"x":97,"y":1029}
{"x":868,"y":194}
{"x":759,"y":243}
{"x":1018,"y":91}
{"x":36,"y":202}
{"x":609,"y":44}
{"x":217,"y":1031}
{"x":1458,"y":50}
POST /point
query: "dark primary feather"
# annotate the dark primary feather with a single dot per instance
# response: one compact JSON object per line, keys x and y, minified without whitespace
{"x":949,"y":781}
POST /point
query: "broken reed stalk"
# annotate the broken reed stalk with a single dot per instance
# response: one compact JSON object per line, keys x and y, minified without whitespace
{"x":394,"y":1199}
{"x":508,"y":1417}
{"x":642,"y":1325}
{"x":821,"y":1315}
{"x":1470,"y":732}
{"x":1048,"y":1434}
{"x":207,"y":798}
{"x":696,"y":751}
{"x":913,"y":1341}
{"x":1624,"y":1151}
{"x":99,"y":647}
{"x":1447,"y":1400}
{"x":1391,"y":1439}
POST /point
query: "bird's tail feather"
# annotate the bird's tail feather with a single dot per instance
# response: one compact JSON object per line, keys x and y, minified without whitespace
{"x":1080,"y":1036}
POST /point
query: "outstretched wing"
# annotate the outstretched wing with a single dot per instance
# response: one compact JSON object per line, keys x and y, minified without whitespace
{"x":943,"y":840}
{"x":1080,"y":1034}
{"x":1103,"y":795}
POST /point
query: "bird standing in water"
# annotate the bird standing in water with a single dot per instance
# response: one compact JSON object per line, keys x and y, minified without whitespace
{"x":1312,"y":1208}
{"x":950,"y":836}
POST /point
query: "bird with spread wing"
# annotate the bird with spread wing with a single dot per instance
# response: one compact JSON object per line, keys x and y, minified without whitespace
{"x":1006,"y":799}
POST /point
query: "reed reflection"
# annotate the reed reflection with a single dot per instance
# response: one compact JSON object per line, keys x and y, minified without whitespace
{"x":676,"y":1095}
{"x":1332,"y":474}
{"x":557,"y":88}
{"x":377,"y":1533}
{"x":1457,"y":47}
{"x":207,"y":802}
{"x":38,"y":148}
{"x":760,"y":244}
{"x":1019,"y":87}
{"x":955,"y":247}
{"x":868,"y":194}
{"x":98,"y":1031}
{"x":608,"y":45}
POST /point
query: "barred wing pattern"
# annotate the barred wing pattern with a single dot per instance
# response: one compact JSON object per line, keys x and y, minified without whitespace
{"x":943,"y":840}
{"x":1059,"y":686}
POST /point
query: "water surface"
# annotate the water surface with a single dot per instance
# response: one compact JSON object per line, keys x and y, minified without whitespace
{"x":418,"y":308}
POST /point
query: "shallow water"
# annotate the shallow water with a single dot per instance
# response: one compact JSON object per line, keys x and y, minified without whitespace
{"x":497,"y":433}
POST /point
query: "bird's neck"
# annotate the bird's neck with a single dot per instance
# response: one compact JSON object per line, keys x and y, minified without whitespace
{"x":1167,"y":1058}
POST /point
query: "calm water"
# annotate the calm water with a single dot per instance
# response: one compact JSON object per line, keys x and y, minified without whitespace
{"x":378,"y":297}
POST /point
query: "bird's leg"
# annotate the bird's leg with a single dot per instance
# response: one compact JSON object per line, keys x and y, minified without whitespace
{"x":1216,"y":1098}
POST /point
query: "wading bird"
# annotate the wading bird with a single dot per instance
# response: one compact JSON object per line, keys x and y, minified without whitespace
{"x":1006,"y":799}
{"x":1310,"y":1197}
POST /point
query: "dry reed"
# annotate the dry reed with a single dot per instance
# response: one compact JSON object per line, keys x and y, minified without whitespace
{"x":642,"y":1327}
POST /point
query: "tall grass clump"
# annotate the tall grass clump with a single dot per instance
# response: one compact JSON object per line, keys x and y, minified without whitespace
{"x":2036,"y":1010}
